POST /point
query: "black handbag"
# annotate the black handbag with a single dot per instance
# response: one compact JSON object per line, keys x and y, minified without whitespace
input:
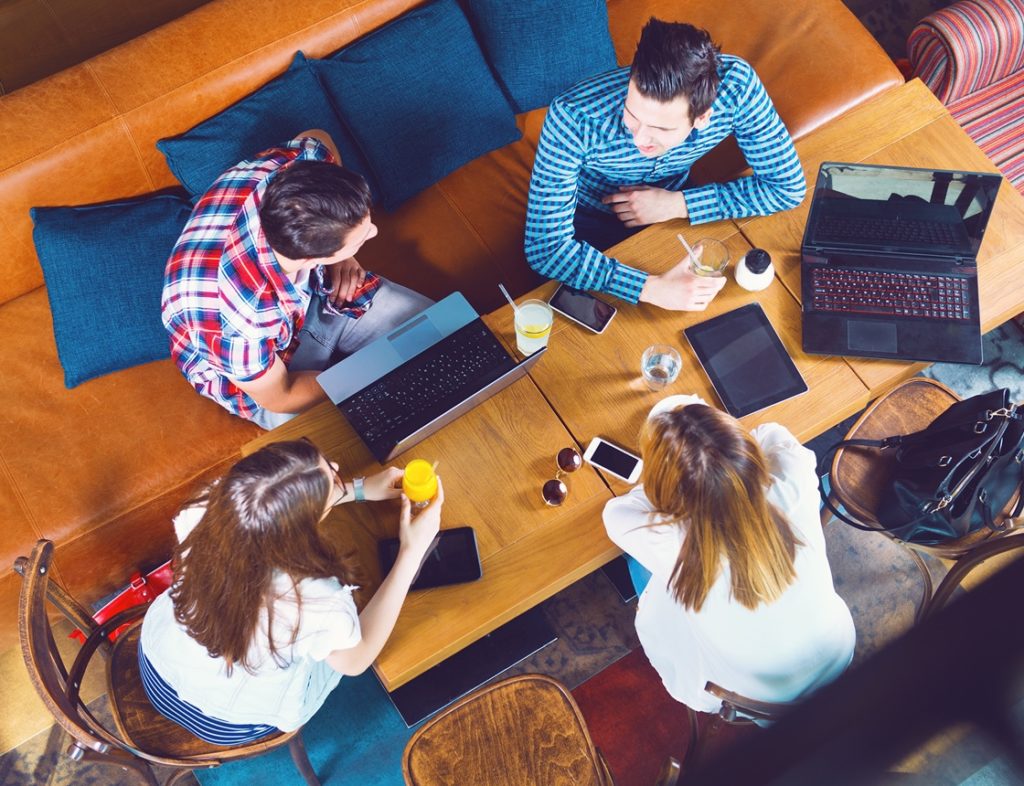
{"x":952,"y":478}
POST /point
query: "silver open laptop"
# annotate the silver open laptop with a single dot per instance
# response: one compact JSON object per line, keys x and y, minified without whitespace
{"x":431,"y":369}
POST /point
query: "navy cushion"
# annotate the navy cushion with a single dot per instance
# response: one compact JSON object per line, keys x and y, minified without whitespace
{"x":104,"y":271}
{"x":541,"y":49}
{"x":280,"y":110}
{"x":419,"y":99}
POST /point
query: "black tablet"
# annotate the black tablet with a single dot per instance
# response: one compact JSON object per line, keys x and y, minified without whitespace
{"x":745,"y":359}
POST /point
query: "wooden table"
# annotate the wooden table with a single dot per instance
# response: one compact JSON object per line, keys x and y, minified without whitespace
{"x":594,"y":383}
{"x":493,"y":462}
{"x":907,"y":126}
{"x":495,"y":459}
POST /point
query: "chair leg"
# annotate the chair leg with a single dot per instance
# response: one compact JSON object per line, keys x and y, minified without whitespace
{"x":177,"y":776}
{"x":966,"y":564}
{"x":116,"y":758}
{"x":298,"y":750}
{"x":692,"y":753}
{"x":926,"y":592}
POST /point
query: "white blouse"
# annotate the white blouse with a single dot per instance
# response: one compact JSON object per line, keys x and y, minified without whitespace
{"x":283,"y":696}
{"x":775,"y":652}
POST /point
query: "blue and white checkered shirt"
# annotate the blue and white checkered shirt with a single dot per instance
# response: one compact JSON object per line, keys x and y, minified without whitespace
{"x":586,"y":152}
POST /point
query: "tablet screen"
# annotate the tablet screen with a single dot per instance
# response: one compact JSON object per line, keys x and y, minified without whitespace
{"x":745,"y":360}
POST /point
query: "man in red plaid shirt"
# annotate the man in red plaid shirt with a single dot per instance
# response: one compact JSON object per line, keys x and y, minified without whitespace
{"x":263,"y":291}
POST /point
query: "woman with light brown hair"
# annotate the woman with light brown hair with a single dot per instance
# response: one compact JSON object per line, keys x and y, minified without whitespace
{"x":725,"y":525}
{"x":260,"y":624}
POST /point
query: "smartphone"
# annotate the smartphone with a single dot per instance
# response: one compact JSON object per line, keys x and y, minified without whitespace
{"x":582,"y":307}
{"x":614,"y":460}
{"x":452,"y":559}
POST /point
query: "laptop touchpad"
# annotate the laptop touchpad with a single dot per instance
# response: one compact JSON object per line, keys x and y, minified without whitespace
{"x":871,"y":336}
{"x":411,"y":339}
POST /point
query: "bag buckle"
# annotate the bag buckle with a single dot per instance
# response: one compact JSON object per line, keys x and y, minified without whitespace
{"x":979,"y":427}
{"x":945,"y":461}
{"x":1002,"y":412}
{"x":944,"y":502}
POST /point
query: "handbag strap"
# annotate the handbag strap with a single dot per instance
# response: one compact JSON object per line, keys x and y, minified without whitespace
{"x":881,"y":444}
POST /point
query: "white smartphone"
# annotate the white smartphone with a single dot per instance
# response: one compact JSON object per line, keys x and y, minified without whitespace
{"x":614,"y":460}
{"x":582,"y":308}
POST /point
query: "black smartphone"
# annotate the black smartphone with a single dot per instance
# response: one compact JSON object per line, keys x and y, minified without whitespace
{"x":582,"y":307}
{"x":452,"y":559}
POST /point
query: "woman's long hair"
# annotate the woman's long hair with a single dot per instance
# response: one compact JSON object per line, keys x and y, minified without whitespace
{"x":702,"y":470}
{"x":259,"y":519}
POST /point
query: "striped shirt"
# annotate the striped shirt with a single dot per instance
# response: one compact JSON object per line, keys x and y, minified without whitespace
{"x":586,"y":152}
{"x":213,"y":730}
{"x":227,"y":304}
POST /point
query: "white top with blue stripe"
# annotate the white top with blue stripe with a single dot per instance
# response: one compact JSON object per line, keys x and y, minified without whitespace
{"x":282,"y":696}
{"x":586,"y":152}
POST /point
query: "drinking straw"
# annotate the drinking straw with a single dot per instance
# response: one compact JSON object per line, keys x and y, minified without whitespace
{"x":508,"y":297}
{"x":693,"y":257}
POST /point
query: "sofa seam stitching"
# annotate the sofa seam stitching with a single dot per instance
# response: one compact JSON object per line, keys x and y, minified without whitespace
{"x":119,"y":112}
{"x":20,"y":495}
{"x":465,"y":218}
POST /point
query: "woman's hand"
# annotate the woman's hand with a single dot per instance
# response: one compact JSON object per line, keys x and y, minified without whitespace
{"x":417,"y":534}
{"x":386,"y":484}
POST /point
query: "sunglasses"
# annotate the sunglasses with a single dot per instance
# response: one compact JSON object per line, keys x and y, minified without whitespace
{"x":555,"y":491}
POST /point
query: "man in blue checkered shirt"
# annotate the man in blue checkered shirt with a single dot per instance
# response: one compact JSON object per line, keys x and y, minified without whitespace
{"x":616,"y":151}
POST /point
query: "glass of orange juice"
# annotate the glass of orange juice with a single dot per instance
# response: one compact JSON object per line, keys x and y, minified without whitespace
{"x":419,"y":483}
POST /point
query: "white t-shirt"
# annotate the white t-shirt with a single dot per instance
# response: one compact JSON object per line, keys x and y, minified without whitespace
{"x":282,"y":696}
{"x":775,"y":652}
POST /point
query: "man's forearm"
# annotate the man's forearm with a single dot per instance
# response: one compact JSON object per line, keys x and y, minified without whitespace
{"x":301,"y":393}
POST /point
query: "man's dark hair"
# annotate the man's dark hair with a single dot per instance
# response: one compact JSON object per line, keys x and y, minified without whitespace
{"x":676,"y":60}
{"x":310,"y":206}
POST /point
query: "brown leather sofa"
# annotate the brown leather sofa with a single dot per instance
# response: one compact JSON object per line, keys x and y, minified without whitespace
{"x":100,"y":469}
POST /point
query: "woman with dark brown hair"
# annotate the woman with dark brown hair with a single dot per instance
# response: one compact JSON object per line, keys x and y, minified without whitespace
{"x":726,"y":524}
{"x":260,"y":624}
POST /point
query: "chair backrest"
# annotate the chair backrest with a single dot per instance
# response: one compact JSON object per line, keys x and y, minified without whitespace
{"x":858,"y":477}
{"x":740,"y":708}
{"x":46,"y":668}
{"x":525,"y":729}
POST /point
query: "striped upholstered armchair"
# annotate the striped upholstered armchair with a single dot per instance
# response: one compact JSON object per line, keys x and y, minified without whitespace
{"x":971,"y":55}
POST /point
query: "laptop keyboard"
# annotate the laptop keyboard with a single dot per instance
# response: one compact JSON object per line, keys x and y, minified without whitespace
{"x":428,"y":385}
{"x":842,"y":229}
{"x":898,"y":294}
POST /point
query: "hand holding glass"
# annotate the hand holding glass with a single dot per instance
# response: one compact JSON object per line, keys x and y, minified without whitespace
{"x":708,"y":257}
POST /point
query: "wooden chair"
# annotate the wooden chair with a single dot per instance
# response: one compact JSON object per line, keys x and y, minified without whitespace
{"x":736,"y":711}
{"x":142,"y":736}
{"x":524,"y":729}
{"x":858,"y":477}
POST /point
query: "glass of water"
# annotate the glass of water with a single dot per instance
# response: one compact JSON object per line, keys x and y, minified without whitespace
{"x":533,"y":326}
{"x":660,"y":366}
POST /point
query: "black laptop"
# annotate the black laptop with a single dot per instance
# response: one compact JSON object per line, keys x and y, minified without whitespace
{"x":889,"y":262}
{"x":433,"y":368}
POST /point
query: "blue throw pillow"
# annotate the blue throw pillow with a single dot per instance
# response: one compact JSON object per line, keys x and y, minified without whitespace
{"x":540,"y":49}
{"x":104,"y":271}
{"x":283,"y":108}
{"x":419,"y":99}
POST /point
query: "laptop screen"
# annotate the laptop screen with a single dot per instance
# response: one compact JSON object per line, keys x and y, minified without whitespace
{"x":899,"y":209}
